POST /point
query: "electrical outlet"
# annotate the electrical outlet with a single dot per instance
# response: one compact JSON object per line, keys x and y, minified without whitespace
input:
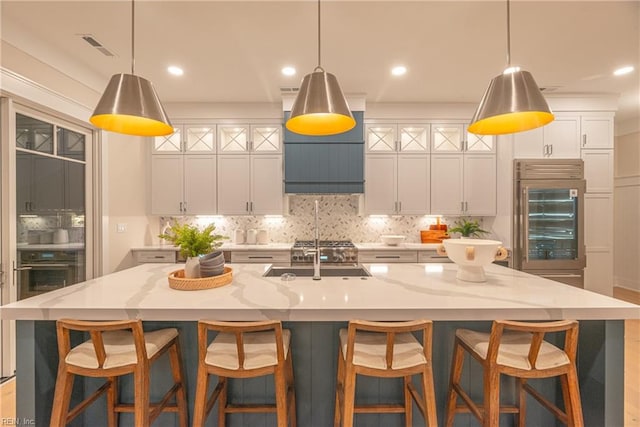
{"x":122,"y":227}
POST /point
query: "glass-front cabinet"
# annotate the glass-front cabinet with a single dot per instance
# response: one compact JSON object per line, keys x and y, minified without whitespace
{"x":238,"y":139}
{"x":50,"y":200}
{"x":392,"y":137}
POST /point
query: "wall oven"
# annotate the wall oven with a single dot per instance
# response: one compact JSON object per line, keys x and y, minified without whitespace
{"x":549,"y":219}
{"x":42,"y":271}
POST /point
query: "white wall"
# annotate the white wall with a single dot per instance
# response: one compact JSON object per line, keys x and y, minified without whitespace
{"x":627,"y":211}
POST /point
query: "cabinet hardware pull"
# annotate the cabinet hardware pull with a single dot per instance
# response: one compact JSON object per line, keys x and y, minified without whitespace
{"x":387,"y":256}
{"x":247,"y":207}
{"x":185,"y":206}
{"x":260,"y":257}
{"x":399,"y":206}
{"x":466,"y":206}
{"x":251,"y":206}
{"x":551,"y":149}
{"x":584,"y":139}
{"x":181,"y":207}
{"x":462,"y":206}
{"x":22,"y":268}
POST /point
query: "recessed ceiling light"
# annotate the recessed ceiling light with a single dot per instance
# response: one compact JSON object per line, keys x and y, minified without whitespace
{"x":623,"y":70}
{"x":289,"y":71}
{"x":176,"y":71}
{"x":400,"y":70}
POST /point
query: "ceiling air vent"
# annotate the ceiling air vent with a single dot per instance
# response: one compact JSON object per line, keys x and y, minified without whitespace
{"x":89,"y":38}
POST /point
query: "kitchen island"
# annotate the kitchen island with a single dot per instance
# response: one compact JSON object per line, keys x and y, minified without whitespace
{"x":314,"y":311}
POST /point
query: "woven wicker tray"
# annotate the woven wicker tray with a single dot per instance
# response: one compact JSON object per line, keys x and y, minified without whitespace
{"x":179,"y":282}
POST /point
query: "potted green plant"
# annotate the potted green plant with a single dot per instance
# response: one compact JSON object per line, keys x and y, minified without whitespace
{"x":193,"y":242}
{"x":467,"y":228}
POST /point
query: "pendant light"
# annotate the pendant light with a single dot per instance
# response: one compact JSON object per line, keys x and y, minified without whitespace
{"x":512,"y":102}
{"x":320,"y":107}
{"x":130,"y":104}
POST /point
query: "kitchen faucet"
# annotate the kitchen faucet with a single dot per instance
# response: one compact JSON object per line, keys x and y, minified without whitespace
{"x":316,"y":244}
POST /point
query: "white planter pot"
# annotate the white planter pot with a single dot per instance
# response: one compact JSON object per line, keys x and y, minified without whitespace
{"x":192,"y":268}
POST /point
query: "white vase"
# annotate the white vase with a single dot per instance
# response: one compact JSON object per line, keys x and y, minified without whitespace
{"x":192,"y":268}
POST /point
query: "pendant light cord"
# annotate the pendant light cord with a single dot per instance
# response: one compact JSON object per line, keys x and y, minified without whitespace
{"x":319,"y":66}
{"x":508,"y":34}
{"x":133,"y":37}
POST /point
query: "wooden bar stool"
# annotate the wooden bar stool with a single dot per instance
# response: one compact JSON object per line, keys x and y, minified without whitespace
{"x":388,"y":350}
{"x":517,"y":349}
{"x":115,"y":349}
{"x":244,"y":350}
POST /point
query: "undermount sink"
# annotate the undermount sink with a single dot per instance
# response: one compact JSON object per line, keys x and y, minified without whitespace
{"x":348,"y":271}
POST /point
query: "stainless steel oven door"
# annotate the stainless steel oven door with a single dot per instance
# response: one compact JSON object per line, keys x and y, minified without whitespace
{"x":38,"y":278}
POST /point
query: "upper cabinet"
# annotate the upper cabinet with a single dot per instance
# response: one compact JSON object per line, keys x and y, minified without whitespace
{"x":192,"y":139}
{"x":597,"y":132}
{"x":454,"y":138}
{"x":256,"y":139}
{"x":392,"y":137}
{"x":560,"y":139}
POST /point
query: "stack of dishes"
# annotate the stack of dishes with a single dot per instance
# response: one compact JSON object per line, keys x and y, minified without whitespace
{"x":212,"y":264}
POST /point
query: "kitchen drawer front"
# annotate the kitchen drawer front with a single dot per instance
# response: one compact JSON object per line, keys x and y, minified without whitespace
{"x":387,"y":256}
{"x":262,"y":257}
{"x":143,"y":257}
{"x":432,"y":256}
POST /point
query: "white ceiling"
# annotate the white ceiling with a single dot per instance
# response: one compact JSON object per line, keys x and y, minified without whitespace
{"x":232,"y":51}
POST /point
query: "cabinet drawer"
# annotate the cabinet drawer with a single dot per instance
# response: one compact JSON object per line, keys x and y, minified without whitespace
{"x":261,"y":257}
{"x":432,"y":256}
{"x":387,"y":256}
{"x":142,"y":257}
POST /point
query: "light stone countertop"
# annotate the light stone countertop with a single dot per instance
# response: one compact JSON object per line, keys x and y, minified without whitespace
{"x":395,"y":292}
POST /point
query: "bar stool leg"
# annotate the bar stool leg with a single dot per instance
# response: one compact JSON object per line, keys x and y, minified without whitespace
{"x":222,"y":402}
{"x":62,"y":397}
{"x":408,"y":403}
{"x":491,"y":398}
{"x":281,"y":397}
{"x":522,"y":401}
{"x":456,"y":373}
{"x":291,"y":389}
{"x":339,"y":387}
{"x":575,"y":406}
{"x":178,"y":378}
{"x":202,"y":386}
{"x":429,"y":396}
{"x":141,"y":395}
{"x":349,"y":397}
{"x":112,"y":401}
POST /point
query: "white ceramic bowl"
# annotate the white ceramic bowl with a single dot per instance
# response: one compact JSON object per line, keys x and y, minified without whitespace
{"x":392,"y":240}
{"x":472,"y":255}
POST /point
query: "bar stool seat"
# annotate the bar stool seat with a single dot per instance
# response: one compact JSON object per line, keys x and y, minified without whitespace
{"x":244,"y":350}
{"x":386,"y":350}
{"x":517,"y":349}
{"x":117,"y":348}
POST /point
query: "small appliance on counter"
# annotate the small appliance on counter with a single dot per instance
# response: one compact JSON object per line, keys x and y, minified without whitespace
{"x":60,"y":236}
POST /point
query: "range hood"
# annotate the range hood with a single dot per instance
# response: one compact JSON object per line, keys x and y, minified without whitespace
{"x":332,"y":164}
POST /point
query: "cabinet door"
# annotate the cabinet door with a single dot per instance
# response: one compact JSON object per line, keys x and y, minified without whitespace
{"x":528,"y":144}
{"x":234,"y":184}
{"x":24,"y":171}
{"x":47,"y":191}
{"x":598,"y":222}
{"x":233,"y":139}
{"x":166,"y":184}
{"x":562,"y":138}
{"x":413,"y":138}
{"x":597,"y":132}
{"x":266,"y":185}
{"x":447,"y":138}
{"x":480,"y":184}
{"x":200,"y":187}
{"x":266,"y":139}
{"x":446,"y":184}
{"x":414,"y":184}
{"x":598,"y":170}
{"x":74,"y":188}
{"x":200,"y":139}
{"x":480,"y":143}
{"x":380,"y":184}
{"x":168,"y":144}
{"x":380,"y":138}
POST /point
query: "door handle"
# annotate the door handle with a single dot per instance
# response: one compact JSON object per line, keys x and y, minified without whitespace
{"x":584,"y":140}
{"x":22,"y":268}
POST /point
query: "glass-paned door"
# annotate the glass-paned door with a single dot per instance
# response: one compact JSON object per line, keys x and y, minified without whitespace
{"x":201,"y":139}
{"x":446,"y":138}
{"x":414,"y":138}
{"x":381,"y":138}
{"x":34,"y":134}
{"x":233,"y":139}
{"x":266,"y":139}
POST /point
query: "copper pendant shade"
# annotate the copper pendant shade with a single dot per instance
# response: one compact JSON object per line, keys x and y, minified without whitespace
{"x":320,"y":107}
{"x":513,"y":101}
{"x":129,"y":104}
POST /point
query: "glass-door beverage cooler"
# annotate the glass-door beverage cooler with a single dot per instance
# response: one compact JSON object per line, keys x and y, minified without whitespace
{"x":549,"y":219}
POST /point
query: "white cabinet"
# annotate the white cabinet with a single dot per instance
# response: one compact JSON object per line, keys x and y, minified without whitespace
{"x":454,"y":138}
{"x":598,"y":170}
{"x":246,"y":138}
{"x":397,"y":184}
{"x":397,"y":137}
{"x":391,"y":256}
{"x":560,"y":139}
{"x":598,"y":212}
{"x":191,"y":138}
{"x":597,"y":131}
{"x":250,"y":185}
{"x":183,"y":184}
{"x":275,"y":257}
{"x":463,"y":184}
{"x":154,"y":256}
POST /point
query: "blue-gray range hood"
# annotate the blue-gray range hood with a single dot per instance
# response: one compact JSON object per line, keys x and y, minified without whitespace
{"x":325,"y":164}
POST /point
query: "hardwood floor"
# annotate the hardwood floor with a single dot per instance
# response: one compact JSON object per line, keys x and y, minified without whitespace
{"x":631,"y":361}
{"x":8,"y":400}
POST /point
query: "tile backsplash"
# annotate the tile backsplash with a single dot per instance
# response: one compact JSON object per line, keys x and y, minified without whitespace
{"x":31,"y":227}
{"x":338,"y":218}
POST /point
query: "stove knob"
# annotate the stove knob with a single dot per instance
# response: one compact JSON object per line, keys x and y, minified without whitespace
{"x":295,"y":257}
{"x":338,"y":258}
